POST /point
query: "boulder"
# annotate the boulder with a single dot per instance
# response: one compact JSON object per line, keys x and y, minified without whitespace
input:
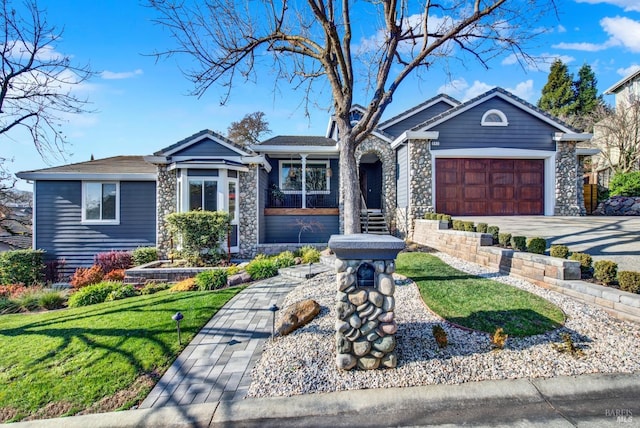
{"x":296,"y":315}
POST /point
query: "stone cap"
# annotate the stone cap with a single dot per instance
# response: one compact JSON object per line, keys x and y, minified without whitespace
{"x":364,"y":246}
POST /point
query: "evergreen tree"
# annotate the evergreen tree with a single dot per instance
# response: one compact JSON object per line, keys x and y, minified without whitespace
{"x":586,"y":92}
{"x":557,"y":95}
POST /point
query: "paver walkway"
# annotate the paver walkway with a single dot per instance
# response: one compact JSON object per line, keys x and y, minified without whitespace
{"x":217,"y":364}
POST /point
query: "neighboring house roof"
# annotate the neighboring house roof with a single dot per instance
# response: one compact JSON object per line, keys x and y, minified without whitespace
{"x":15,"y":229}
{"x":197,"y":137}
{"x":125,"y":167}
{"x":505,"y":95}
{"x":618,"y":86}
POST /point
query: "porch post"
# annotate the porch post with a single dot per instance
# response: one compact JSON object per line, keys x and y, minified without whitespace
{"x":304,"y":180}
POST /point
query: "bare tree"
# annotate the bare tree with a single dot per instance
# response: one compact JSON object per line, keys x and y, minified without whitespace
{"x":314,"y":41}
{"x":249,"y":130}
{"x":617,"y":134}
{"x":36,"y":82}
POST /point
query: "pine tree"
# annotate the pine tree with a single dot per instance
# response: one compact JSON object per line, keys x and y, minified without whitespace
{"x":557,"y":95}
{"x":586,"y":91}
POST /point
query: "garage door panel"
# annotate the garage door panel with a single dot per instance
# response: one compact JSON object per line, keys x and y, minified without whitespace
{"x":530,"y":193}
{"x":502,"y":207}
{"x":501,"y":178}
{"x":475,"y":192}
{"x":502,"y":164}
{"x":475,"y":178}
{"x":502,"y":193}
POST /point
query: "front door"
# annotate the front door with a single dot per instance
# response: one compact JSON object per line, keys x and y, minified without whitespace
{"x":371,"y":184}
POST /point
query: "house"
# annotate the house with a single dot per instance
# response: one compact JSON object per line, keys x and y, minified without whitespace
{"x":493,"y":155}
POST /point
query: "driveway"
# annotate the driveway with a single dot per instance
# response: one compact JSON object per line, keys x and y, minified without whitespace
{"x":604,"y":238}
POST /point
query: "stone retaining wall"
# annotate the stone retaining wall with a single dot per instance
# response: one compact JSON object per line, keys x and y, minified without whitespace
{"x":553,"y":273}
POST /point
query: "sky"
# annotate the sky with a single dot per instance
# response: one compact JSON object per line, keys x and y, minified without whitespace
{"x":140,"y":104}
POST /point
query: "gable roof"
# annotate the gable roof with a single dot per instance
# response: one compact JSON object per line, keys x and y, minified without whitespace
{"x":198,"y":137}
{"x":416,"y":109}
{"x":116,"y":167}
{"x":505,"y":95}
{"x":616,"y":87}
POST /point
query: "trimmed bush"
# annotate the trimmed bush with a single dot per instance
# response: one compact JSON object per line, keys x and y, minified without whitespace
{"x":482,"y":227}
{"x":121,"y":293}
{"x":309,"y":254}
{"x":93,"y":294}
{"x":504,"y":239}
{"x":537,"y":245}
{"x":625,"y":184}
{"x":213,"y":279}
{"x":469,"y":226}
{"x":430,"y":216}
{"x":446,"y":217}
{"x":187,"y":284}
{"x":144,"y":255}
{"x":201,"y":234}
{"x":86,"y":276}
{"x":458,"y":225}
{"x":21,"y":267}
{"x":560,"y":251}
{"x":113,"y":260}
{"x":519,"y":243}
{"x":629,"y":281}
{"x":261,"y":268}
{"x":154,"y":287}
{"x":495,"y":232}
{"x":585,"y":262}
{"x":605,"y":271}
{"x":115,"y":275}
{"x":284,"y":259}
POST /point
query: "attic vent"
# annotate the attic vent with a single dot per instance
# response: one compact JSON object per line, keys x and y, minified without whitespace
{"x":494,"y":118}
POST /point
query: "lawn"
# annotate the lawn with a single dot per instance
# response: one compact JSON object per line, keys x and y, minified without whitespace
{"x":478,"y":303}
{"x":101,"y":357}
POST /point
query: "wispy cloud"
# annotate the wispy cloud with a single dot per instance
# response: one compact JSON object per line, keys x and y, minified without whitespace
{"x":627,"y":5}
{"x":622,"y":31}
{"x":112,"y":75}
{"x":628,"y":70}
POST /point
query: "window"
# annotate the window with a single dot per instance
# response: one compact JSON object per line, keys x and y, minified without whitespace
{"x":203,"y":194}
{"x":494,"y":118}
{"x":316,"y":178}
{"x":100,"y":202}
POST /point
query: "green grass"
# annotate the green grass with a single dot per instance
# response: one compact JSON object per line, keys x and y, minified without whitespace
{"x":478,"y":303}
{"x":76,"y":357}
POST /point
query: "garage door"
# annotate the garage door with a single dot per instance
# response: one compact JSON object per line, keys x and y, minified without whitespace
{"x":490,"y":186}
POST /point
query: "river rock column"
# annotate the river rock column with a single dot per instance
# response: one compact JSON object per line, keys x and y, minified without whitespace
{"x":365,"y":303}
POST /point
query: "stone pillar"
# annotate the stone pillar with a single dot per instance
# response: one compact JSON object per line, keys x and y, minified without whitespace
{"x":248,"y":222}
{"x":420,"y":182}
{"x":567,"y":190}
{"x":166,"y":204}
{"x":365,"y":303}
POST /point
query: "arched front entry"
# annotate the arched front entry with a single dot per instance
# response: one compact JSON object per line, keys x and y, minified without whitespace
{"x":370,"y":173}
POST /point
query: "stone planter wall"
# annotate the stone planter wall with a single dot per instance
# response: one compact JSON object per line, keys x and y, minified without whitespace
{"x":619,"y":205}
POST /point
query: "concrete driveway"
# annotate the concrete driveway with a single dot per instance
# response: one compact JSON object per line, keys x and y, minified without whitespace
{"x":604,"y":238}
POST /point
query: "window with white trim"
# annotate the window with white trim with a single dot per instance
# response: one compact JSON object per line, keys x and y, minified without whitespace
{"x":494,"y":117}
{"x":316,"y":177}
{"x":101,"y":202}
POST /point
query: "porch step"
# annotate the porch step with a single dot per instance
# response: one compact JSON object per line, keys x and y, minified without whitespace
{"x":373,"y":222}
{"x":304,"y":271}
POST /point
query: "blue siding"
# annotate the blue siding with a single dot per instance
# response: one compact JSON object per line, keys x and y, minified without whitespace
{"x":206,"y":147}
{"x":60,"y":233}
{"x":524,"y":131}
{"x":402,"y":182}
{"x":414,"y":120}
{"x":285,"y":228}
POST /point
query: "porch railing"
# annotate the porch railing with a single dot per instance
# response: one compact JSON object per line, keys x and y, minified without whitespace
{"x":294,"y":200}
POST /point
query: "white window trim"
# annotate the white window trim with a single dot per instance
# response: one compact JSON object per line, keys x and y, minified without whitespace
{"x":108,"y":222}
{"x":503,"y":117}
{"x":327,"y":165}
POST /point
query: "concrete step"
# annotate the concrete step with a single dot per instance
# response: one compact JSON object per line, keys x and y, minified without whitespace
{"x":304,"y":271}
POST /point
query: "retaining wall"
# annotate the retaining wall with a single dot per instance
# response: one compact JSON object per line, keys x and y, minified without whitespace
{"x":553,"y":273}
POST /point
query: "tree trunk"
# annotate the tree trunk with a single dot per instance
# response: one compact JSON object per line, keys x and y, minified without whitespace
{"x":349,"y":187}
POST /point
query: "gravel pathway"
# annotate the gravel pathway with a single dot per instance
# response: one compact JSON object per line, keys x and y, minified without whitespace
{"x":304,"y":361}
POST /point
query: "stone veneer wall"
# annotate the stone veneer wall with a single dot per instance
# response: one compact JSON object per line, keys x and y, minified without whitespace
{"x":165,"y":205}
{"x":248,"y":222}
{"x":388,"y":159}
{"x":568,"y":183}
{"x":420,"y":182}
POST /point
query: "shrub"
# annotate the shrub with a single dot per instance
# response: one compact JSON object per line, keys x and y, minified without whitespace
{"x":458,"y":225}
{"x":200,"y":233}
{"x":309,"y":254}
{"x":12,"y":290}
{"x":469,"y":226}
{"x":144,"y":255}
{"x":446,"y":217}
{"x":536,"y":245}
{"x":504,"y":239}
{"x":430,"y":216}
{"x":86,"y":276}
{"x":115,"y":275}
{"x":482,"y":227}
{"x":93,"y":294}
{"x":495,"y":232}
{"x":560,"y":251}
{"x":53,"y":270}
{"x":629,"y":281}
{"x":440,"y":335}
{"x":113,"y":260}
{"x":605,"y":271}
{"x":52,"y":300}
{"x":285,"y":259}
{"x":213,"y":279}
{"x":261,"y":268}
{"x":28,"y":300}
{"x":154,"y":287}
{"x":519,"y":243}
{"x":8,"y":306}
{"x":625,"y":184}
{"x":121,"y":293}
{"x":21,"y":266}
{"x":188,"y":284}
{"x":498,"y":338}
{"x":585,"y":262}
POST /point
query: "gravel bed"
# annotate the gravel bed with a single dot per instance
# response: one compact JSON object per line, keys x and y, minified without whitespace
{"x":304,"y":361}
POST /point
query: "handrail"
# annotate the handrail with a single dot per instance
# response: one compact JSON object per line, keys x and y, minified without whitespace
{"x":363,"y":208}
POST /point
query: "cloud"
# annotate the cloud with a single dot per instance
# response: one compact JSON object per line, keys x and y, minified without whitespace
{"x":584,"y":46}
{"x":460,"y":89}
{"x":111,"y":75}
{"x":524,"y":90}
{"x":627,"y":5}
{"x":623,"y":31}
{"x":624,"y":72}
{"x":539,"y":63}
{"x":561,"y":28}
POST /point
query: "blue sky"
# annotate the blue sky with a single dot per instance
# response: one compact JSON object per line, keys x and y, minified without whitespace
{"x":142,"y":105}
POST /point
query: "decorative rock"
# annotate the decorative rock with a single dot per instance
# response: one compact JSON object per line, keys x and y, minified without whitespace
{"x":379,"y":266}
{"x":373,"y":336}
{"x":297,"y":315}
{"x":361,"y":347}
{"x":389,"y":304}
{"x":391,"y":267}
{"x":390,"y":361}
{"x":389,"y":328}
{"x":376,"y":298}
{"x":340,"y":265}
{"x":368,"y":363}
{"x":375,"y":314}
{"x":377,"y":354}
{"x":344,"y":309}
{"x":344,"y":280}
{"x":386,"y":285}
{"x":342,"y":326}
{"x":346,"y":361}
{"x":355,"y":321}
{"x":385,"y":344}
{"x":368,"y":327}
{"x":343,"y":346}
{"x":342,"y":297}
{"x":386,"y":317}
{"x":358,"y":298}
